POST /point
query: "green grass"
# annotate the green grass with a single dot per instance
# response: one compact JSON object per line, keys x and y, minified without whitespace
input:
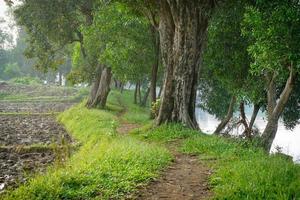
{"x":241,"y":171}
{"x":134,"y":113}
{"x":36,"y":93}
{"x":106,"y":165}
{"x":109,"y":166}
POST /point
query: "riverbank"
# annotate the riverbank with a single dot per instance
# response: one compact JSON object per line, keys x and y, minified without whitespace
{"x":109,"y":165}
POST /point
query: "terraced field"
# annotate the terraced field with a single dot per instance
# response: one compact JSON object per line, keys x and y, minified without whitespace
{"x":30,"y":137}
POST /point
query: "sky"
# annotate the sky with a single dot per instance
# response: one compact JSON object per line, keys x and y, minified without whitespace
{"x":3,"y":14}
{"x":2,"y":7}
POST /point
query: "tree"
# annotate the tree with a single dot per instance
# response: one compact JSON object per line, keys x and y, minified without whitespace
{"x":226,"y":67}
{"x":182,"y":28}
{"x":272,"y":27}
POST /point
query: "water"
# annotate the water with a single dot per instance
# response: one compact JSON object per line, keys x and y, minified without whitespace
{"x":288,"y":140}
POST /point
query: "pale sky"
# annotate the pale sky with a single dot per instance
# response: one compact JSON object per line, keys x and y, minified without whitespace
{"x":3,"y":14}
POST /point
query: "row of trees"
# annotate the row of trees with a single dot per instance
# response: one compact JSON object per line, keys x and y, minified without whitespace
{"x":14,"y":64}
{"x":247,"y":51}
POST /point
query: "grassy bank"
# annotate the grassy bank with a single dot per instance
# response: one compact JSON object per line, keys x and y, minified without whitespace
{"x":106,"y":165}
{"x":241,"y":171}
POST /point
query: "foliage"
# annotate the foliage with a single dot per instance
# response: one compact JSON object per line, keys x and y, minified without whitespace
{"x":119,"y":39}
{"x":11,"y":70}
{"x":272,"y":28}
{"x":226,"y":64}
{"x":155,"y":107}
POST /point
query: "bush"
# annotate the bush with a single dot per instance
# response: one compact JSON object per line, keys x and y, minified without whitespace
{"x":27,"y":81}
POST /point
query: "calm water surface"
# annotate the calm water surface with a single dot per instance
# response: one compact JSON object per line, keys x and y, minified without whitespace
{"x":288,"y":140}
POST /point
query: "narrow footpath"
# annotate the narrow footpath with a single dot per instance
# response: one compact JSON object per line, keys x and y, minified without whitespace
{"x":185,"y":179}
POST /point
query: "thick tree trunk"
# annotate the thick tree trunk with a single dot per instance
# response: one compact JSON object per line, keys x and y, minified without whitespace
{"x":228,"y":116}
{"x":103,"y":89}
{"x":94,"y":87}
{"x":274,"y":114}
{"x":182,"y":27}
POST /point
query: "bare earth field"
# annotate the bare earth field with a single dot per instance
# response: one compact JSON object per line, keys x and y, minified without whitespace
{"x":29,"y":132}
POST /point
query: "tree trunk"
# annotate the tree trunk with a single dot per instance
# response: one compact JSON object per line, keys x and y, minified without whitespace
{"x":254,"y":115}
{"x":272,"y":125}
{"x":103,"y":89}
{"x":182,"y":27}
{"x":139,"y":93}
{"x":122,"y":87}
{"x":144,"y":102}
{"x":247,"y":131}
{"x":160,"y":91}
{"x":135,"y":93}
{"x":228,"y":116}
{"x":155,"y":65}
{"x":60,"y":78}
{"x":94,"y":87}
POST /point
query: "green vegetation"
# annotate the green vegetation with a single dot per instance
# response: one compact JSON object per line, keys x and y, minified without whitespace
{"x":26,"y":80}
{"x":106,"y":165}
{"x":132,"y":113}
{"x":241,"y":171}
{"x":27,"y":90}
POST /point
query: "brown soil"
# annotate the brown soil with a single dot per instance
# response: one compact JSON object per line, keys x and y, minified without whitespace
{"x":16,"y":167}
{"x":185,"y":179}
{"x":126,"y":127}
{"x":33,"y":107}
{"x":29,"y":143}
{"x":30,"y":129}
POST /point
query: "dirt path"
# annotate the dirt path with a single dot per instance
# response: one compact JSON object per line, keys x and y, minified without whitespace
{"x":185,"y":179}
{"x":125,"y":127}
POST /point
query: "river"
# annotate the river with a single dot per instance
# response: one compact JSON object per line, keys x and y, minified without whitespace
{"x":289,"y":141}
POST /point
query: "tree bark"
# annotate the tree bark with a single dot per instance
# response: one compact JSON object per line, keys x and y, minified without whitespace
{"x":139,"y":93}
{"x":155,"y":65}
{"x":95,"y":86}
{"x":183,"y":27}
{"x":144,"y":101}
{"x":135,"y":93}
{"x":274,"y":114}
{"x":103,"y":89}
{"x":59,"y":78}
{"x":228,"y":116}
{"x":247,"y":131}
{"x":254,"y":115}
